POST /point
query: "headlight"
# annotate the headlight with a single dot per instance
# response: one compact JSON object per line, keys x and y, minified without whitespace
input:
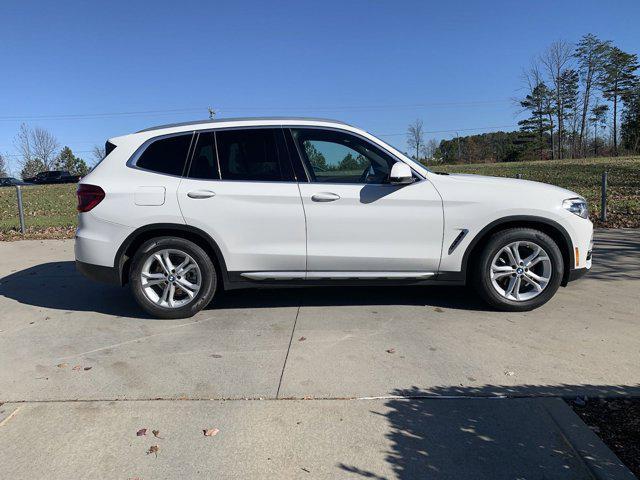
{"x":577,"y":206}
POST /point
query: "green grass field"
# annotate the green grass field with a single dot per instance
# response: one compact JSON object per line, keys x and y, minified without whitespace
{"x":50,"y":209}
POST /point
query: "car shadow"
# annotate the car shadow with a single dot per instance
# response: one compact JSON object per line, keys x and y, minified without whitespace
{"x":58,"y":285}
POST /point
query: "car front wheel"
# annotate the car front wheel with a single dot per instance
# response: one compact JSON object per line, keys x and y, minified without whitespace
{"x":172,"y":277}
{"x":519,"y":269}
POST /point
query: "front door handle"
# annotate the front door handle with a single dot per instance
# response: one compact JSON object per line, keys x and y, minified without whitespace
{"x":201,"y":194}
{"x":325,"y":197}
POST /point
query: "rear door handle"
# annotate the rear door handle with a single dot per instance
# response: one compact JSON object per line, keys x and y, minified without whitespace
{"x":201,"y":194}
{"x":325,"y":197}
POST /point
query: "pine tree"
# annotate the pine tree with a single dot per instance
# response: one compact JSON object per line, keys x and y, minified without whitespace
{"x":538,"y":103}
{"x":591,"y":53}
{"x":569,"y":104}
{"x":618,"y":81}
{"x":598,"y":119}
{"x":630,"y":124}
{"x":66,"y":160}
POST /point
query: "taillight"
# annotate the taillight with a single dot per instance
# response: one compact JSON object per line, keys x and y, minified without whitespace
{"x":88,"y":196}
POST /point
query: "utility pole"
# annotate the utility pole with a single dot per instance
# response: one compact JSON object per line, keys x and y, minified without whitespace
{"x":458,"y":139}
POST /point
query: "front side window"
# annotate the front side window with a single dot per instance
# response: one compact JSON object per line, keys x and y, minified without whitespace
{"x":167,"y":155}
{"x":257,"y":154}
{"x":339,"y":157}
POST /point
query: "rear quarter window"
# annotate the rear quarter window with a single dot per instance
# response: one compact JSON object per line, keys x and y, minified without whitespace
{"x":166,"y":155}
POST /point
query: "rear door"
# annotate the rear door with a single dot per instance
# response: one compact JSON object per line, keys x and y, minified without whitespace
{"x":241,"y":190}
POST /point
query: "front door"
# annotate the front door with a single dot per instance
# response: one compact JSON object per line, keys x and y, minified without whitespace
{"x":356,"y":220}
{"x":240,"y":189}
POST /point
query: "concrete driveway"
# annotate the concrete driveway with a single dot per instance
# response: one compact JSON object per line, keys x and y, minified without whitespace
{"x":64,"y":339}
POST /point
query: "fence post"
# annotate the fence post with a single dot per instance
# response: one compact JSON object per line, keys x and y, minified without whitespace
{"x":20,"y":209}
{"x":603,"y":196}
{"x":518,"y":176}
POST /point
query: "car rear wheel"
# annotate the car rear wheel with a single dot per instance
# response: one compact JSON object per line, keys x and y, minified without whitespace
{"x":519,"y":269}
{"x":172,"y":277}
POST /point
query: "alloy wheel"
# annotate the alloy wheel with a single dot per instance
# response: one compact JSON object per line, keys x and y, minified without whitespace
{"x":521,"y":271}
{"x":170,"y":278}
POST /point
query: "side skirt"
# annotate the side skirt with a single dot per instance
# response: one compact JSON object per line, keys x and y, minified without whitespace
{"x":238,"y":280}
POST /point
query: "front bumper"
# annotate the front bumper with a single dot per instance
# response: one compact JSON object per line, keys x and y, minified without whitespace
{"x":577,"y":273}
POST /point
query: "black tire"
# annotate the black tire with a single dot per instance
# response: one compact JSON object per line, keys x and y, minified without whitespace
{"x":482,"y":269}
{"x":208,"y":280}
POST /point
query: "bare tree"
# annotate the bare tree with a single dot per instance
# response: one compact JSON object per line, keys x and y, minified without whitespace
{"x":430,"y":148}
{"x":45,"y":146}
{"x":4,"y":168}
{"x":22,"y":143}
{"x":37,"y":148}
{"x":98,"y":153}
{"x":415,"y":137}
{"x":556,"y":59}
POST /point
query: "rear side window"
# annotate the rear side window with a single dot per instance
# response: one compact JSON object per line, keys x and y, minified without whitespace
{"x":204,"y":165}
{"x":253,"y":154}
{"x":167,"y":155}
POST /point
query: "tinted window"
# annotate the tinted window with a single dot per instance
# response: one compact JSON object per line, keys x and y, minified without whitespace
{"x":339,"y":157}
{"x":166,"y":155}
{"x":204,"y":164}
{"x":253,"y":154}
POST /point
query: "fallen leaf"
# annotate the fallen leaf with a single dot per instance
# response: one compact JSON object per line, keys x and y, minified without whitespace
{"x":141,"y":432}
{"x":77,"y":368}
{"x":153,"y":449}
{"x":302,"y":339}
{"x":87,"y":368}
{"x":62,"y":365}
{"x":305,"y":470}
{"x":391,"y":350}
{"x":156,"y":433}
{"x":438,"y":309}
{"x":509,"y":373}
{"x":212,"y":432}
{"x":215,"y":355}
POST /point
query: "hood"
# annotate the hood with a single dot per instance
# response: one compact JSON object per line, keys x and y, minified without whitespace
{"x":513,"y":184}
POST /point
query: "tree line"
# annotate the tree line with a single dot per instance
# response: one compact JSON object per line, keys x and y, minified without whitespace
{"x":580,"y":100}
{"x":39,"y":151}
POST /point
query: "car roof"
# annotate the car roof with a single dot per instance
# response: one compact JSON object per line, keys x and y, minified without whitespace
{"x":267,"y":120}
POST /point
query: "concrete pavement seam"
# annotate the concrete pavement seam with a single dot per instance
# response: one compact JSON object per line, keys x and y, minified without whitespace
{"x":286,"y":357}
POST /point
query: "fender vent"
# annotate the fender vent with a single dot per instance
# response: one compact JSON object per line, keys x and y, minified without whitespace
{"x":457,"y":240}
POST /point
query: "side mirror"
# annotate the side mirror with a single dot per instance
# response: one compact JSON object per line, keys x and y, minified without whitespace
{"x":400,"y":174}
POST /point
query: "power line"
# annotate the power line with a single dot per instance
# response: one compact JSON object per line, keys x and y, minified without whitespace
{"x":101,"y":115}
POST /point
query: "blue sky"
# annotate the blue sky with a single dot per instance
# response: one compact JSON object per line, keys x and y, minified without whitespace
{"x":71,"y":66}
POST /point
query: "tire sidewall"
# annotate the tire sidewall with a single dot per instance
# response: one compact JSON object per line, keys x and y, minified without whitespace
{"x":500,"y":240}
{"x":207,"y":271}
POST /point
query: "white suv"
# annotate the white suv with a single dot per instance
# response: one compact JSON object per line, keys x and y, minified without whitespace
{"x":183,"y":211}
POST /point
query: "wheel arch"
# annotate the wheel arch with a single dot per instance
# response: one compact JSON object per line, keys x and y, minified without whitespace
{"x":139,"y":236}
{"x":552,"y":228}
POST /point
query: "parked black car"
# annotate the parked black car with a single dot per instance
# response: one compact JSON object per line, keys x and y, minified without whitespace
{"x":53,"y":176}
{"x":11,"y":182}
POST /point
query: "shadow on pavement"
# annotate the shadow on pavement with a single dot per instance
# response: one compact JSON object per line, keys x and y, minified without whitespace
{"x":616,"y":255}
{"x":493,"y":438}
{"x":58,"y":285}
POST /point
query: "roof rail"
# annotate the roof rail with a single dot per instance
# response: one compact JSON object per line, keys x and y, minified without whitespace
{"x":237,"y":119}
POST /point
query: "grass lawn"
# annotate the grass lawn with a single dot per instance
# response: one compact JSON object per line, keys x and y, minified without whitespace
{"x":50,"y":210}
